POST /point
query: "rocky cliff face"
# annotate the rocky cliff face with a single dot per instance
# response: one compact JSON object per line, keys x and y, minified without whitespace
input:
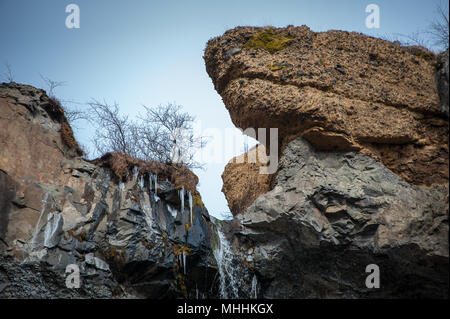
{"x":363,"y":174}
{"x":134,"y":229}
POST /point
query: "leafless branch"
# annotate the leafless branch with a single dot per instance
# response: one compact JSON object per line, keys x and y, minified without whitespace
{"x":52,"y":85}
{"x":439,"y":29}
{"x":163,"y":134}
{"x":8,"y":74}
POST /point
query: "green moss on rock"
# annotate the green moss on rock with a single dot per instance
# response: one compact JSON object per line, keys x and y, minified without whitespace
{"x":268,"y":40}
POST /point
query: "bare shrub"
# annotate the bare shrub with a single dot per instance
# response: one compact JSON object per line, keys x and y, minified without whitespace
{"x":436,"y":35}
{"x":72,"y":114}
{"x":163,"y":134}
{"x":8,"y":75}
{"x":113,"y":130}
{"x":439,"y":29}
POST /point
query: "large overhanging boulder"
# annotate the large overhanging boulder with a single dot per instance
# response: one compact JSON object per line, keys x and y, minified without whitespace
{"x":338,"y":90}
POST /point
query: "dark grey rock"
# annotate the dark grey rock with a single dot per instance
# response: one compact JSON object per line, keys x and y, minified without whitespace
{"x":442,"y":82}
{"x":330,"y":215}
{"x":339,"y":68}
{"x":231,"y":52}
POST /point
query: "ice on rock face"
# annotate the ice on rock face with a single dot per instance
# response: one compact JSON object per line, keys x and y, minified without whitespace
{"x":53,"y":230}
{"x":135,"y":173}
{"x":254,"y":292}
{"x":36,"y":228}
{"x":228,"y":273}
{"x":172,"y":211}
{"x":141,"y":181}
{"x":190,"y":208}
{"x":153,"y":181}
{"x":181,"y":194}
{"x":184,"y":262}
{"x":121,"y":186}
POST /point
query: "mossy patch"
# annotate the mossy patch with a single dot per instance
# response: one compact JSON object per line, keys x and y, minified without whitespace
{"x":122,"y":166}
{"x":425,"y":56}
{"x":113,"y":254}
{"x":197,"y":199}
{"x":179,"y":249}
{"x":276,"y":67}
{"x":81,"y":237}
{"x":148,"y":245}
{"x":268,"y":40}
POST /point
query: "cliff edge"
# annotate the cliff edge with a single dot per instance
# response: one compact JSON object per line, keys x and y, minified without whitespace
{"x":133,"y":229}
{"x":363,"y":167}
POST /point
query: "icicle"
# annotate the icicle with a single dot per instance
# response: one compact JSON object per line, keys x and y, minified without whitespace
{"x":254,"y":292}
{"x":172,"y":211}
{"x":141,"y":181}
{"x":36,"y":228}
{"x":155,"y":180}
{"x":135,"y":172}
{"x":54,"y":224}
{"x":121,"y":186}
{"x":181,"y":194}
{"x":190,"y":208}
{"x":184,"y":262}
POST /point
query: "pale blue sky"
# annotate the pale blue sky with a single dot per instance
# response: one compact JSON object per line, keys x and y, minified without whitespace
{"x":150,"y":52}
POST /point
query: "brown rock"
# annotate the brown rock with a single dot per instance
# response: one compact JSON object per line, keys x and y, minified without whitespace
{"x":340,"y":91}
{"x":242,"y":182}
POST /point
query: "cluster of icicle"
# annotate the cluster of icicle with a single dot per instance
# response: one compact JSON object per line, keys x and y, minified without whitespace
{"x":153,"y":180}
{"x":182,"y":261}
{"x":153,"y":185}
{"x":229,"y":279}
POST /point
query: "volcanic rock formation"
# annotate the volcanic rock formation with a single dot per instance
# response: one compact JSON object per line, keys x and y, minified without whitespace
{"x":118,"y":219}
{"x":363,"y":174}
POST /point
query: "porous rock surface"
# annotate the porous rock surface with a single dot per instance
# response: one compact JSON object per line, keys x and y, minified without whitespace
{"x":340,"y":91}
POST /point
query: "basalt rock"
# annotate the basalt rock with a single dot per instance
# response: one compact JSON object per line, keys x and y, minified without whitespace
{"x":442,"y":82}
{"x":340,"y":91}
{"x":329,"y":216}
{"x":363,"y":168}
{"x":128,"y":234}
